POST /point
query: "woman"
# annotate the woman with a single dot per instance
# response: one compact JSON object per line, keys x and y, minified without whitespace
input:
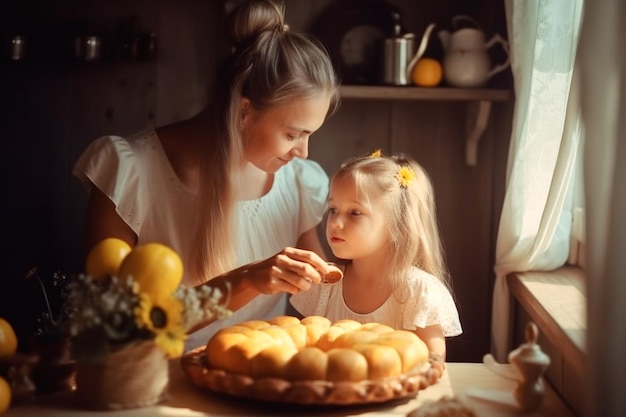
{"x":230,"y":187}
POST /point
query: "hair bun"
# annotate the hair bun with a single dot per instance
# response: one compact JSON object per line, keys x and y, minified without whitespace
{"x":250,"y":19}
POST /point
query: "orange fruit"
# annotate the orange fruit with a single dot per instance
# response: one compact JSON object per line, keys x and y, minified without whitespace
{"x":427,"y":72}
{"x":5,"y":395}
{"x":105,"y":258}
{"x":8,"y":339}
{"x":157,"y":269}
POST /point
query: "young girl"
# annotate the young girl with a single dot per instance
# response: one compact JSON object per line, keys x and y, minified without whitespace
{"x":382,"y":221}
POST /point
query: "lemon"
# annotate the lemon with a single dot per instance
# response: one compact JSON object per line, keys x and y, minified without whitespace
{"x":105,"y":258}
{"x":5,"y":395}
{"x":157,"y":268}
{"x":427,"y":72}
{"x":8,"y":340}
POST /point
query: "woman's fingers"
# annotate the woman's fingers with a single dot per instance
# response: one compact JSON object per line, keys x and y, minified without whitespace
{"x":294,"y":270}
{"x":329,"y":272}
{"x":291,"y":270}
{"x":311,"y":264}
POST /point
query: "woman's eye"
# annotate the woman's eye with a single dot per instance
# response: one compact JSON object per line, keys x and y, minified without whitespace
{"x":355,"y":213}
{"x":293,"y":137}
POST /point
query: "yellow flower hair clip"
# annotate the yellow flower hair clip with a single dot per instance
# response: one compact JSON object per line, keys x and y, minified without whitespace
{"x":376,"y":154}
{"x":404,"y":176}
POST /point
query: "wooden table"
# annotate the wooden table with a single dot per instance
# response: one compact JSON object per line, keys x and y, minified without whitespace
{"x":186,"y":400}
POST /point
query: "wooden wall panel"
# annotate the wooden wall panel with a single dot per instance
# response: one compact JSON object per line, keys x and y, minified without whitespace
{"x":435,"y":134}
{"x":357,"y":128}
{"x":188,"y":54}
{"x":53,"y":107}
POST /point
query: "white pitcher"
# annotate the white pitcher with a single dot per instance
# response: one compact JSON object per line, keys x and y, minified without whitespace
{"x":466,"y":62}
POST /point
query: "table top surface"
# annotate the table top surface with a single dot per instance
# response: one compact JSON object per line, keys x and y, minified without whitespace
{"x":460,"y":380}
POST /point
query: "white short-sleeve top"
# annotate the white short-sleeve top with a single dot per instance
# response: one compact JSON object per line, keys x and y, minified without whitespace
{"x":429,"y":303}
{"x":136,"y":175}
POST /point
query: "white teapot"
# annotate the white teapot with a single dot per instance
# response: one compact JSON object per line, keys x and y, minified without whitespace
{"x":466,"y":62}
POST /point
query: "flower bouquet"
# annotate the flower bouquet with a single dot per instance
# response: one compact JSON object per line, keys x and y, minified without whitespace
{"x":127,"y":316}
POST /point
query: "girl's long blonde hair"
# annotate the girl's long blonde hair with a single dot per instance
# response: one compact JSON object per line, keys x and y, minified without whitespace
{"x":409,"y":204}
{"x":269,"y":65}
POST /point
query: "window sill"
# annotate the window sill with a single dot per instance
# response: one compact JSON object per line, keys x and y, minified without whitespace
{"x":556,"y":302}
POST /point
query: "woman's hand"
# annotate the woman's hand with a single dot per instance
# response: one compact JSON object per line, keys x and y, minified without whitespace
{"x":291,"y":270}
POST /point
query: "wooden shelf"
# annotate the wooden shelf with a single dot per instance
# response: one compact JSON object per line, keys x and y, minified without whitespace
{"x":418,"y":93}
{"x":479,"y":105}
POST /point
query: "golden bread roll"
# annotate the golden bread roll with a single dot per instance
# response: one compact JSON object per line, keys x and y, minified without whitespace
{"x":411,"y":354}
{"x":383,"y":361}
{"x":308,"y":363}
{"x":348,"y":325}
{"x":221,"y":343}
{"x":316,"y":321}
{"x":238,"y":358}
{"x":298,"y":333}
{"x":326,"y":340}
{"x":284,"y":321}
{"x":271,"y":362}
{"x":279,"y":335}
{"x":377,"y":328}
{"x":346,"y":365}
{"x":316,"y":326}
{"x":350,"y":339}
{"x":315,"y":349}
{"x":400,"y":335}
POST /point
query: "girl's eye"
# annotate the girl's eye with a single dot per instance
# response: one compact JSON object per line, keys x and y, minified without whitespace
{"x":332,"y":211}
{"x":291,"y":136}
{"x":355,"y":213}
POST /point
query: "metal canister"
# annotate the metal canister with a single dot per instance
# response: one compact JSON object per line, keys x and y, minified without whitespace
{"x":17,"y":48}
{"x":397,"y":52}
{"x":93,"y":48}
{"x":88,"y":48}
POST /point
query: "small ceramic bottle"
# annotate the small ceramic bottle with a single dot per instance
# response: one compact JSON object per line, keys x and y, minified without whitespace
{"x":531,"y":362}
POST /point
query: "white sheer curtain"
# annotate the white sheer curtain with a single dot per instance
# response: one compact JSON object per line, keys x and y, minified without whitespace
{"x":535,"y":224}
{"x":602,"y":60}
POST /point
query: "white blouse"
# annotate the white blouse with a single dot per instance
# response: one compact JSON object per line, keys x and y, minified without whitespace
{"x":429,"y":303}
{"x":138,"y":178}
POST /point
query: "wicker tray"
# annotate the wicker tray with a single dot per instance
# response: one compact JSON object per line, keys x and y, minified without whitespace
{"x":310,"y":392}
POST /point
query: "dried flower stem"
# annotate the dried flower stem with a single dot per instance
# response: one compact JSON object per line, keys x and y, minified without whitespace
{"x":33,"y":273}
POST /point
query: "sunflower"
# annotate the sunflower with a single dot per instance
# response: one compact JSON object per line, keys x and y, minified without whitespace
{"x":164,"y":320}
{"x":404,"y":176}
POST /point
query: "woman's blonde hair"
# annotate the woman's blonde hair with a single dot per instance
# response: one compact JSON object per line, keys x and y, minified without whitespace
{"x":269,"y":65}
{"x":406,"y":192}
